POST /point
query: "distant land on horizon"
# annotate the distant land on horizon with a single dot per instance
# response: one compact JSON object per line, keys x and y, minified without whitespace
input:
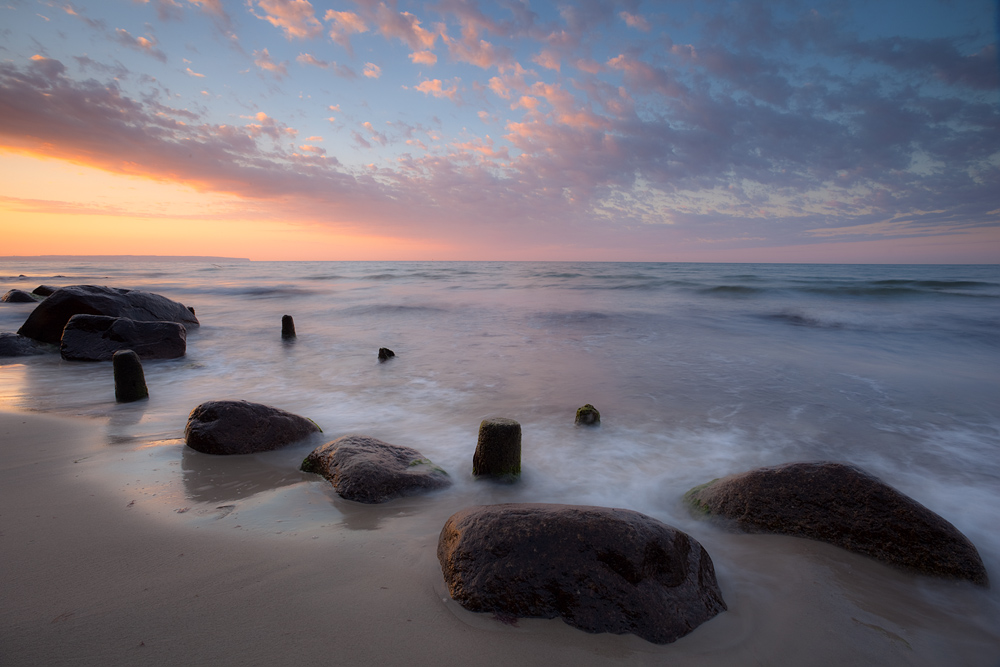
{"x":106,"y":258}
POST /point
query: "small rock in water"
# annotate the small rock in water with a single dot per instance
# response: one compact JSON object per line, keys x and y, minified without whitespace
{"x":287,"y":326}
{"x":130,"y":381}
{"x":44,"y":290}
{"x":384,"y":354}
{"x":588,"y":416}
{"x":13,"y":345}
{"x":498,"y":451}
{"x":18,"y":296}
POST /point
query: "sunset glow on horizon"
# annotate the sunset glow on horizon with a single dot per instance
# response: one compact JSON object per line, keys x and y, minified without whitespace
{"x":465,"y":130}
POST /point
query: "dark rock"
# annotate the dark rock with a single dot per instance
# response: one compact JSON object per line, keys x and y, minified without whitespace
{"x":18,"y":296}
{"x":847,"y":507}
{"x":240,"y":427}
{"x":130,"y":381}
{"x":588,"y":416}
{"x":370,"y":471}
{"x":600,"y":569}
{"x":13,"y":345}
{"x":44,"y":290}
{"x":98,"y":338}
{"x":287,"y":327}
{"x":47,"y":320}
{"x":385,"y":354}
{"x":191,"y":308}
{"x":498,"y":451}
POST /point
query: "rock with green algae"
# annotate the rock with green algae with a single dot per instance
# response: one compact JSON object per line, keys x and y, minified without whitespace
{"x":498,"y":451}
{"x":842,"y":505}
{"x":588,"y":415}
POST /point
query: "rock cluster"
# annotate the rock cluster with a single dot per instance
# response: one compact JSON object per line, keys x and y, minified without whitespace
{"x":47,"y":321}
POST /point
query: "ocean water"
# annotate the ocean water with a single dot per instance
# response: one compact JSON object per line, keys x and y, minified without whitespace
{"x":698,"y":370}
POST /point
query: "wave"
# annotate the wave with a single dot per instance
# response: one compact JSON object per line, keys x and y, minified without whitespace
{"x":733,"y":290}
{"x":381,"y":309}
{"x":800,"y":320}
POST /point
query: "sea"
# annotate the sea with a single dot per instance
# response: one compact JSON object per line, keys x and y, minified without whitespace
{"x":698,"y":371}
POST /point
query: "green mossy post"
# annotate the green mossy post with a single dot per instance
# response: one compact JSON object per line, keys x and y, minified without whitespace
{"x":287,"y":327}
{"x":130,"y":381}
{"x":588,"y":416}
{"x":498,"y":452}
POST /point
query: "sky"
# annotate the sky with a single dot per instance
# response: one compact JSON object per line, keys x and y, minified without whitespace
{"x":753,"y":131}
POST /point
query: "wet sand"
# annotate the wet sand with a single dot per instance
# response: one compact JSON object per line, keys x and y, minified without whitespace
{"x":103,"y":566}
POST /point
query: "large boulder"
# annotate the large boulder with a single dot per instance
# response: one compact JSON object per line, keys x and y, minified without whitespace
{"x":368,"y":470}
{"x":47,"y":320}
{"x":18,"y":296}
{"x":98,"y":337}
{"x":845,"y":506}
{"x":241,"y":427}
{"x":13,"y":345}
{"x":600,"y":569}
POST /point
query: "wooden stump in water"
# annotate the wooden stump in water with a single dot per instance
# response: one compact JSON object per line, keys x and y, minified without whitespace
{"x":498,"y":452}
{"x":130,"y":381}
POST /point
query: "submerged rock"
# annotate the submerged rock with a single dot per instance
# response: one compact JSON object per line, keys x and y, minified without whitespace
{"x":98,"y":338}
{"x":845,"y":506}
{"x":44,"y":290}
{"x":47,"y":320}
{"x":130,"y":381}
{"x":599,"y":569}
{"x":368,"y":470}
{"x":18,"y":296}
{"x":588,"y":416}
{"x":498,"y":450}
{"x":241,"y":427}
{"x":15,"y":345}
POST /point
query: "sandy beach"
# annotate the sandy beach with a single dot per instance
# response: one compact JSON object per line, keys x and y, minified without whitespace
{"x":101,"y":568}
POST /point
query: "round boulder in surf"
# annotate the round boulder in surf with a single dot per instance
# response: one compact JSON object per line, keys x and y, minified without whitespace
{"x":844,"y":506}
{"x":367,"y":470}
{"x":241,"y":427}
{"x":599,"y":569}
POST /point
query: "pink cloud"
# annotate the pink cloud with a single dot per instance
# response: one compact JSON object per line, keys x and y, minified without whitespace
{"x":647,"y":78}
{"x":423,"y":58}
{"x":470,"y":49}
{"x":548,"y":60}
{"x":635,"y":21}
{"x":372,"y":71}
{"x":296,"y":17}
{"x":405,"y":27}
{"x":436,"y":88}
{"x":343,"y":25}
{"x":263,"y":60}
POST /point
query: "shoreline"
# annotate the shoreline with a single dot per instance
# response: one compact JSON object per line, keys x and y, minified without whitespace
{"x":101,"y":568}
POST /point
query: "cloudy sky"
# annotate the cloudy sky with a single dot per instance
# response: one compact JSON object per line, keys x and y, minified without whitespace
{"x":462,"y":129}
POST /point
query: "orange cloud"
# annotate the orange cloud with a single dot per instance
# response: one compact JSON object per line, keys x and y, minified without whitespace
{"x":296,"y":17}
{"x":423,"y":58}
